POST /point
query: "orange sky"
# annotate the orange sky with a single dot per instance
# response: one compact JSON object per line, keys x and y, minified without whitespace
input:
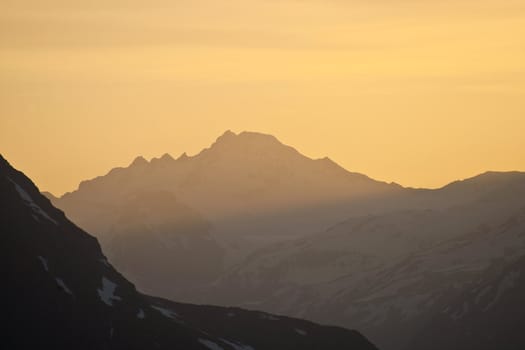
{"x":416,"y":92}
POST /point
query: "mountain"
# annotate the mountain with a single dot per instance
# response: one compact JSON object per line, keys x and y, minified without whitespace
{"x":238,"y":180}
{"x":59,"y":291}
{"x":384,"y":273}
{"x":242,"y":193}
{"x":286,"y":234}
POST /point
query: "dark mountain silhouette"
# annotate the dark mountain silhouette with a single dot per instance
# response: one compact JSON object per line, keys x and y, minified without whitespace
{"x":59,"y":292}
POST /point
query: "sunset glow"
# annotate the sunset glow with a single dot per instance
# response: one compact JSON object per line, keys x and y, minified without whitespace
{"x":416,"y":92}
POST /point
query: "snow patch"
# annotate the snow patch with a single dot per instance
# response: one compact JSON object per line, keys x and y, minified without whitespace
{"x":44,"y":262}
{"x":301,"y":332}
{"x":237,"y":345}
{"x":31,"y":203}
{"x":209,"y":344}
{"x":166,"y":312}
{"x":482,"y":293}
{"x":506,"y":283}
{"x":140,"y":314}
{"x":269,"y":317}
{"x":105,"y":262}
{"x":106,"y":294}
{"x":61,"y":283}
{"x":460,"y":313}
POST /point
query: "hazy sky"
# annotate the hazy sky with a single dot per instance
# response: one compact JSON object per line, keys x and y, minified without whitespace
{"x":417,"y":92}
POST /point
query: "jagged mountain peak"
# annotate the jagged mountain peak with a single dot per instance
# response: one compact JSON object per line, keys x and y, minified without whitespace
{"x":246,"y":139}
{"x":139,"y":161}
{"x":183,"y":156}
{"x":246,"y":169}
{"x":229,"y":143}
{"x":248,"y":149}
{"x":166,"y":158}
{"x":228,"y":134}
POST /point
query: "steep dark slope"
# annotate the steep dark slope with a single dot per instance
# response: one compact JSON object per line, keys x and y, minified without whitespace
{"x":59,"y":291}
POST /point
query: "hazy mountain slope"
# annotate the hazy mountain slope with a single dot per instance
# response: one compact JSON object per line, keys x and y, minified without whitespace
{"x":380,"y":273}
{"x":60,"y":292}
{"x":244,"y":192}
{"x":400,"y":296}
{"x":488,"y":315}
{"x":156,"y":238}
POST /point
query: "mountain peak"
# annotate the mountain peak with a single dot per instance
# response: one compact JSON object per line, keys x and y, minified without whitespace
{"x":4,"y":162}
{"x":227,"y":135}
{"x":245,"y":139}
{"x":254,"y":146}
{"x":183,"y":156}
{"x":139,"y":161}
{"x":252,"y":135}
{"x":166,"y":157}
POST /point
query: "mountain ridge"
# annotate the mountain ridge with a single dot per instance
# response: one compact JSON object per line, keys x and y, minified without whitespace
{"x":229,"y":138}
{"x":225,"y":142}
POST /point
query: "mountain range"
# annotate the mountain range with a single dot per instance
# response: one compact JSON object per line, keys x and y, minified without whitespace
{"x":242,"y":193}
{"x":253,"y":223}
{"x":60,"y":292}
